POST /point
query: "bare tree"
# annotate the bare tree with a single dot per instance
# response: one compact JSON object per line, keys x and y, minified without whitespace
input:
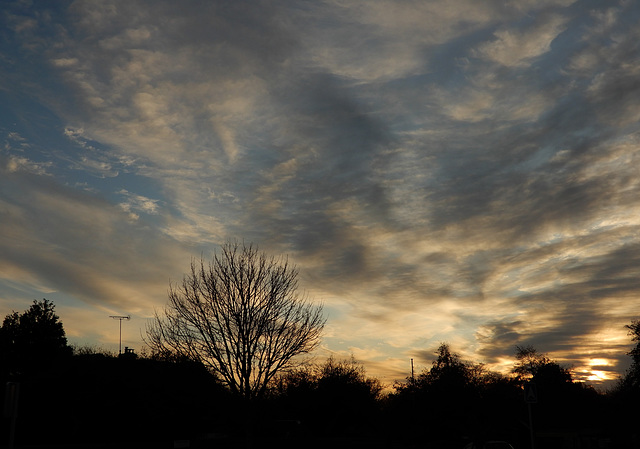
{"x":241,"y":316}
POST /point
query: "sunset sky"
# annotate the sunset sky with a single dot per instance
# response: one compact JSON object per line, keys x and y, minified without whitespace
{"x":455,"y":171}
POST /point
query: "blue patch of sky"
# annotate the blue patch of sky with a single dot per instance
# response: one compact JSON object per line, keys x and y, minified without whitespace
{"x":30,"y":120}
{"x":24,"y":52}
{"x":14,"y":289}
{"x":30,"y":130}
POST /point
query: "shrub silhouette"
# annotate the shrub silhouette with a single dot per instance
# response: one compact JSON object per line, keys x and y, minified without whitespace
{"x":335,"y":398}
{"x":32,"y":340}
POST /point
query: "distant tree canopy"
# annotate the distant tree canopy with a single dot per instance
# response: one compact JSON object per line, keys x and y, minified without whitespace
{"x":631,"y":379}
{"x":334,"y":397}
{"x":634,"y":331}
{"x":241,"y":316}
{"x":347,"y":377}
{"x":448,"y":371}
{"x":532,"y":365}
{"x":33,"y":338}
{"x":559,"y":398}
{"x":456,"y":397}
{"x":344,"y":379}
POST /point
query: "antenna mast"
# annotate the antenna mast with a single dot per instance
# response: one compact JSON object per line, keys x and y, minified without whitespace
{"x":120,"y":318}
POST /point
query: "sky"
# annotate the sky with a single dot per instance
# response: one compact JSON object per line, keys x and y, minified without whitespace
{"x":439,"y":171}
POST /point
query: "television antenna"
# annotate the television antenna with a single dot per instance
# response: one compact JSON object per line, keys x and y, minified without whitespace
{"x":120,"y":318}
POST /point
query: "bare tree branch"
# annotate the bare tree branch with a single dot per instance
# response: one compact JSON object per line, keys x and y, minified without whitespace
{"x":240,"y":315}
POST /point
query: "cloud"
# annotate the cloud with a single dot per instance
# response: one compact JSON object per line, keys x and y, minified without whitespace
{"x":15,"y":164}
{"x":518,"y":47}
{"x":134,"y":202}
{"x":440,"y":171}
{"x":72,"y":242}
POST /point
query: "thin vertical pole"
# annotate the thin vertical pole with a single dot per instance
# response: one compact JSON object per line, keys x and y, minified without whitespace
{"x":120,"y":318}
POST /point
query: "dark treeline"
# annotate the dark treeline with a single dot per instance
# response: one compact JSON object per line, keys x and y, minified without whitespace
{"x":85,"y":396}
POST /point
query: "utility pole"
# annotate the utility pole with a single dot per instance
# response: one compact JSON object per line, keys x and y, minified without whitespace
{"x":120,"y":318}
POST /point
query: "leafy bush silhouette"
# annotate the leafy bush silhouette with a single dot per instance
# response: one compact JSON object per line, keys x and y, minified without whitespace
{"x":335,"y":398}
{"x":32,"y":340}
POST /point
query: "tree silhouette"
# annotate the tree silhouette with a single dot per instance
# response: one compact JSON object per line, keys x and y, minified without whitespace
{"x":561,"y":402}
{"x":335,"y":398}
{"x":347,"y":378}
{"x":632,"y":378}
{"x":32,"y":339}
{"x":347,"y":396}
{"x":241,"y":316}
{"x":537,"y":367}
{"x":444,"y":400}
{"x":625,"y":397}
{"x":456,"y":398}
{"x":449,"y":371}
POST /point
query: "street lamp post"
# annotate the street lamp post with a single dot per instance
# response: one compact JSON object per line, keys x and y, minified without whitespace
{"x":120,"y":318}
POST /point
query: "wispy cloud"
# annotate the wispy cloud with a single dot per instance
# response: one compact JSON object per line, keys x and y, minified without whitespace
{"x":520,"y":46}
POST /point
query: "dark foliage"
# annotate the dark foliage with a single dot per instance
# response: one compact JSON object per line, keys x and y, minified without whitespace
{"x":334,"y":399}
{"x":531,"y":365}
{"x":625,"y":397}
{"x":456,"y":400}
{"x":92,"y":397}
{"x":631,"y":380}
{"x":562,"y":403}
{"x":99,"y":398}
{"x":32,"y":340}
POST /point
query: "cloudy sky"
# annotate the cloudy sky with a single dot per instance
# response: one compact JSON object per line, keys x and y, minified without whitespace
{"x":440,"y":171}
